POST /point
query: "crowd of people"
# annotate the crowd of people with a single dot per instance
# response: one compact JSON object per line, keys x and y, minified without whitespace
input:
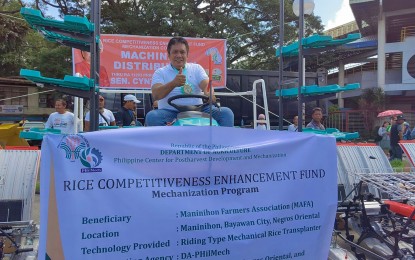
{"x":180,"y":77}
{"x":390,"y":133}
{"x":64,"y":120}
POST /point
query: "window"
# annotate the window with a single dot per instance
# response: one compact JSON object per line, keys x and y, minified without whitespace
{"x":47,"y":100}
{"x":13,"y":96}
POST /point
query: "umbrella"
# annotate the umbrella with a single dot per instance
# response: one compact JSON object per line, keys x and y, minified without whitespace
{"x":390,"y":113}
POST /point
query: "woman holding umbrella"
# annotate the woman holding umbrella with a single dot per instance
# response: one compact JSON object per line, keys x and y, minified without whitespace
{"x":392,"y":114}
{"x":385,"y":131}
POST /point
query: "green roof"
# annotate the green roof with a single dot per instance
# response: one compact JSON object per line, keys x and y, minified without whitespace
{"x":73,"y":31}
{"x":316,"y":42}
{"x":316,"y":90}
{"x":78,"y":83}
{"x":37,"y":133}
{"x":333,"y":132}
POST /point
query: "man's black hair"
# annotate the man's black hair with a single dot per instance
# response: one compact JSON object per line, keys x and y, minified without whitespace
{"x":175,"y":40}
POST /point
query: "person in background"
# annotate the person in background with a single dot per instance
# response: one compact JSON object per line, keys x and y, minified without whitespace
{"x":83,"y":68}
{"x":261,"y":125}
{"x":396,"y":135}
{"x":391,"y":123}
{"x":181,"y":78}
{"x":406,"y":131}
{"x":105,"y":117}
{"x":61,"y":119}
{"x":317,"y":116}
{"x":384,"y":142}
{"x":294,"y":126}
{"x":388,"y":131}
{"x":127,"y":116}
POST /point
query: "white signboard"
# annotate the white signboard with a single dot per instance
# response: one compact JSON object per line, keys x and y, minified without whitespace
{"x":187,"y":193}
{"x":11,"y":109}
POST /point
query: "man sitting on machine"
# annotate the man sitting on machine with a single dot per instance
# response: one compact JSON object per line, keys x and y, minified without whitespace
{"x":182,"y":78}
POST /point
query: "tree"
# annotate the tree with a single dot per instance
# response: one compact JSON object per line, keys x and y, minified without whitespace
{"x":12,"y":29}
{"x":34,"y":52}
{"x":372,"y":101}
{"x":25,"y":48}
{"x":250,"y":27}
{"x":52,"y":59}
{"x":12,"y":33}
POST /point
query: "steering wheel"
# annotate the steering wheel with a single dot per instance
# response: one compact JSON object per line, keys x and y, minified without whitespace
{"x":184,"y":108}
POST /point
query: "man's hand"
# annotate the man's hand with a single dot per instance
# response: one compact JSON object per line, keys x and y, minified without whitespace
{"x":160,"y":90}
{"x":180,"y":79}
{"x":213,"y":98}
{"x":207,"y":93}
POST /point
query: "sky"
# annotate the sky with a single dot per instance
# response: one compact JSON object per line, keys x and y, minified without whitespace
{"x":333,"y":12}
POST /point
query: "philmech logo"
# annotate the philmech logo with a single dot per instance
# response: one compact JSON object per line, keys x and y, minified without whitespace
{"x":76,"y":147}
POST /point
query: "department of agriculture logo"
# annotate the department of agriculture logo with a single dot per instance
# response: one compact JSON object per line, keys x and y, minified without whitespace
{"x":77,"y":147}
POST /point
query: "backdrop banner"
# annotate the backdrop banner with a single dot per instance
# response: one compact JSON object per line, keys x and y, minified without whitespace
{"x":186,"y":193}
{"x":128,"y":62}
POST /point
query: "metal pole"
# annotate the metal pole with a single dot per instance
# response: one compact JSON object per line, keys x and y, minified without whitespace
{"x":95,"y":64}
{"x":97,"y":22}
{"x":92,"y":99}
{"x":281,"y":70}
{"x":210,"y":90}
{"x":300,"y":66}
{"x":210,"y":97}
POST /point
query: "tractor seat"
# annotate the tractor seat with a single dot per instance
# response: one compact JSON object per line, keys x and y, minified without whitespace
{"x":190,"y":114}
